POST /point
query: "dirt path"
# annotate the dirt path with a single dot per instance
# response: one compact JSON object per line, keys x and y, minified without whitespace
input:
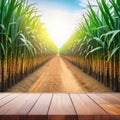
{"x":58,"y":75}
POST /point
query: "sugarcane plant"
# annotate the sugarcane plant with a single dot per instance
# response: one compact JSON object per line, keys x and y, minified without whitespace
{"x":24,"y":42}
{"x":96,"y":43}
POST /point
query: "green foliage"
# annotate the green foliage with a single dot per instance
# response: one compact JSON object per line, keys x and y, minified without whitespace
{"x":99,"y":30}
{"x":18,"y":21}
{"x":23,"y":40}
{"x":96,"y":43}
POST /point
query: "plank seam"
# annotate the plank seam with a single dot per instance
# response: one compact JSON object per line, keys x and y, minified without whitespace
{"x":103,"y":97}
{"x":50,"y":104}
{"x":34,"y":104}
{"x":10,"y":100}
{"x":72,"y":103}
{"x":5,"y":96}
{"x":98,"y":105}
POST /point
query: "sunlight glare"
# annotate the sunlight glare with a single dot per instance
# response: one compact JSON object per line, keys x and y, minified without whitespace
{"x":59,"y":32}
{"x":60,"y":26}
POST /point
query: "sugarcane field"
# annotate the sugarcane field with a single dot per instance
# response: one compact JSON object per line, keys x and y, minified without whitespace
{"x":66,"y":46}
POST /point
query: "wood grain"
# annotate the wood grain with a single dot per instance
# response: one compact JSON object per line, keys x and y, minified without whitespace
{"x":86,"y":108}
{"x":7,"y":99}
{"x":40,"y":109}
{"x":61,"y":108}
{"x":19,"y":107}
{"x":2,"y":95}
{"x":109,"y":104}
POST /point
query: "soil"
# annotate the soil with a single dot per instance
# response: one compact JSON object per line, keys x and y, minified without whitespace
{"x":59,"y":75}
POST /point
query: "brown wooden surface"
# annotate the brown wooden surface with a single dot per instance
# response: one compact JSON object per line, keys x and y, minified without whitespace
{"x":7,"y":99}
{"x":87,"y":109}
{"x":108,"y":102}
{"x":40,"y":109}
{"x":2,"y":95}
{"x":59,"y":106}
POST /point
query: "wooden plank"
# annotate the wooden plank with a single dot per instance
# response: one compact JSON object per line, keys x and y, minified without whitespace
{"x":87,"y":109}
{"x":61,"y":108}
{"x":108,"y":104}
{"x":2,"y":95}
{"x":7,"y":99}
{"x":116,"y":94}
{"x":110,"y":98}
{"x":22,"y":104}
{"x":18,"y":107}
{"x":112,"y":109}
{"x":40,"y":109}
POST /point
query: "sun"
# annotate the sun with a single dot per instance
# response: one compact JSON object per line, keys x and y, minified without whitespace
{"x":59,"y":32}
{"x":59,"y":26}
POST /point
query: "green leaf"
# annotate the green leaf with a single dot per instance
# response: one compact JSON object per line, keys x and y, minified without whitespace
{"x":100,"y":42}
{"x":113,"y":52}
{"x":2,"y":49}
{"x":113,"y":37}
{"x":93,"y":50}
{"x":2,"y":26}
{"x":106,"y":8}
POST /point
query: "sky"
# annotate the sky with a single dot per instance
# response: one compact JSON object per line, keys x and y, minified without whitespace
{"x":61,"y":17}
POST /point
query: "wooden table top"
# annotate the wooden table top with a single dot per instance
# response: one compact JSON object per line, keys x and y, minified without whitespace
{"x":59,"y":106}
